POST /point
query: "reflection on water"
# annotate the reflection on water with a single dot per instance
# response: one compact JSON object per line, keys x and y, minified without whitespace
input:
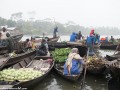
{"x":103,"y":53}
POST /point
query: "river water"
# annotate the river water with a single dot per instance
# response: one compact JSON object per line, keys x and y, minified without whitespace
{"x":55,"y":82}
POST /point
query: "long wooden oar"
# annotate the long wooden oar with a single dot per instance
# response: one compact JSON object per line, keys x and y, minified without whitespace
{"x":116,"y":49}
{"x":83,"y":82}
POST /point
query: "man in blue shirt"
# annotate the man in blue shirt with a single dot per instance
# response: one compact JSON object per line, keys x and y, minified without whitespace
{"x":73,"y":37}
{"x":90,"y":44}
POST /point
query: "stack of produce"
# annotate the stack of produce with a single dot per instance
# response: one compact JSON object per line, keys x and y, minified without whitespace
{"x":93,"y":62}
{"x":23,"y":74}
{"x":60,"y":55}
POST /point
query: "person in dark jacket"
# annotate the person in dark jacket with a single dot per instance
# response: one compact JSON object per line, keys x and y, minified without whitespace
{"x":73,"y":37}
{"x":79,"y":35}
{"x":10,"y":43}
{"x":43,"y":49}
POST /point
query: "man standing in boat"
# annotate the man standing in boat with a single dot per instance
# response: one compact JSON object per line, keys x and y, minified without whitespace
{"x":90,"y":42}
{"x":55,"y":33}
{"x":3,"y":36}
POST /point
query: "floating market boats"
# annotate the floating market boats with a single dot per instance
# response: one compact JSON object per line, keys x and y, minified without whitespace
{"x":35,"y":69}
{"x":6,"y":61}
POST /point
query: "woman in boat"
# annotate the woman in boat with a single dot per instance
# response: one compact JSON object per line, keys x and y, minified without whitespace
{"x":42,"y":49}
{"x":73,"y":63}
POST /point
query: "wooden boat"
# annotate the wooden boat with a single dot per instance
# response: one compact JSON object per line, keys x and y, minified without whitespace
{"x":75,"y":43}
{"x":108,"y":46}
{"x":32,"y":63}
{"x":53,"y":39}
{"x":49,"y":40}
{"x":96,"y":70}
{"x":59,"y":67}
{"x":6,"y":61}
{"x":112,"y":57}
{"x":58,"y":44}
{"x":95,"y":65}
{"x":3,"y":49}
{"x":17,"y":37}
{"x":53,"y":45}
{"x":113,"y":74}
{"x":114,"y":83}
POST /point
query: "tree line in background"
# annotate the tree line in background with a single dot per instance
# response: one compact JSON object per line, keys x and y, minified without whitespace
{"x":38,"y":27}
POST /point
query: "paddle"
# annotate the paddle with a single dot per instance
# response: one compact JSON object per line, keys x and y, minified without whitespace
{"x":83,"y":82}
{"x":116,"y":49}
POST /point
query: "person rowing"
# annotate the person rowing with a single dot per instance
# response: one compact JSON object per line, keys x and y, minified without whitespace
{"x":55,"y":32}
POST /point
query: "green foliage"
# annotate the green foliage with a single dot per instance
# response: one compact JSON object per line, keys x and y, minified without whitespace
{"x":60,"y":55}
{"x":37,"y":27}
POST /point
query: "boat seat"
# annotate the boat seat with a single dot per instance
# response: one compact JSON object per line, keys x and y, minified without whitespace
{"x":27,"y":61}
{"x":17,"y":66}
{"x":23,"y":63}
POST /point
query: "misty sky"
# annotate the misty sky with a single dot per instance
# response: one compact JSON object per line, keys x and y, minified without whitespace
{"x":83,"y":12}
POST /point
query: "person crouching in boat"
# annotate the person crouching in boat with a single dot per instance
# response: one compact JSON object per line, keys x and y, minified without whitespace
{"x":10,"y":43}
{"x":73,"y":63}
{"x":42,"y":49}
